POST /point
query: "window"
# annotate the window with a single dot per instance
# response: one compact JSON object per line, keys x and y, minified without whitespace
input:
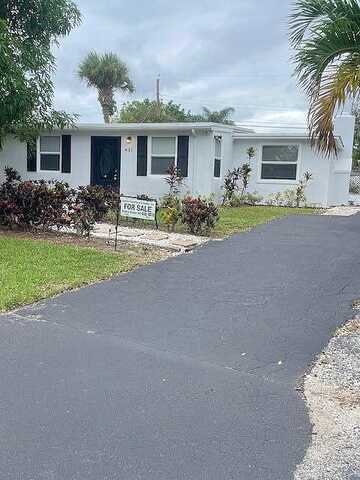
{"x":217,"y":160}
{"x":50,"y":153}
{"x":279,"y":162}
{"x":163,"y":154}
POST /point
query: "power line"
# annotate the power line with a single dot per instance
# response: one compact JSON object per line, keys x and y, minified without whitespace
{"x":277,"y":123}
{"x":277,"y":127}
{"x":202,"y":101}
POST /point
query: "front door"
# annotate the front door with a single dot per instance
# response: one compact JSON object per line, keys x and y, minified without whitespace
{"x":105,"y":161}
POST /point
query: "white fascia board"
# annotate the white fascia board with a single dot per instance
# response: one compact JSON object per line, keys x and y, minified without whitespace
{"x":280,"y":136}
{"x":169,"y":127}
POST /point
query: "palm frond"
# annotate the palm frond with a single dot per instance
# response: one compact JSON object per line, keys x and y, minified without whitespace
{"x":326,"y":38}
{"x":105,"y":71}
{"x":340,"y":83}
{"x":308,"y":14}
{"x":327,"y":45}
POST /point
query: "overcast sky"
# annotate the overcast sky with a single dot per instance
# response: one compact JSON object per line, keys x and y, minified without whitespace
{"x":207,"y":52}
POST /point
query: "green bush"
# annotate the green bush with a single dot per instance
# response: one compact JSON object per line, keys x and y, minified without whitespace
{"x":170,"y":211}
{"x":291,"y":197}
{"x":245,"y":199}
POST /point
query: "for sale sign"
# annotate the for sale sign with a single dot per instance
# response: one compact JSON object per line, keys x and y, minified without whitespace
{"x":135,"y":208}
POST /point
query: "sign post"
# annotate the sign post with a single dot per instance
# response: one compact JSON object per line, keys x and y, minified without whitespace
{"x":135,"y":207}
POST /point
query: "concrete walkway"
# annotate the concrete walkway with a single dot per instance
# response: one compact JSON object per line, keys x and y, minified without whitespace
{"x":178,"y":242}
{"x":183,"y":370}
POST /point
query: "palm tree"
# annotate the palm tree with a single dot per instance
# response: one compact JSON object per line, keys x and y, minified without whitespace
{"x":106,"y":73}
{"x":326,"y":37}
{"x":221,"y":116}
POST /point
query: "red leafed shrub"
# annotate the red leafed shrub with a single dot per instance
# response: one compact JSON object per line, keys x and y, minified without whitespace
{"x":34,"y":203}
{"x":49,"y":204}
{"x":91,"y":205}
{"x":199,"y":215}
{"x":97,"y":199}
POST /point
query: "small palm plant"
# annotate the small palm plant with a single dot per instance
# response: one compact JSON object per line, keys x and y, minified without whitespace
{"x":107,"y":73}
{"x":326,"y":38}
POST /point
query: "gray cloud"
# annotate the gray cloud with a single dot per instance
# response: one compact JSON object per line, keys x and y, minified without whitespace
{"x":230,"y":53}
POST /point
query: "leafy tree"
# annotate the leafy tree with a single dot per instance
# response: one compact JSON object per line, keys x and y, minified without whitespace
{"x":28,"y":30}
{"x":326,"y":38}
{"x":221,"y":116}
{"x":107,"y":73}
{"x":150,"y":111}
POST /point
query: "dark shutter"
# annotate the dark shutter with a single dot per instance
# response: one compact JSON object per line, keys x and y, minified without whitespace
{"x":142,"y":156}
{"x":183,"y":155}
{"x":217,"y":167}
{"x":31,"y":156}
{"x":66,"y":154}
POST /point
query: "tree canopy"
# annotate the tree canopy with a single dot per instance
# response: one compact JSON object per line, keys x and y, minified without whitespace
{"x":107,"y":73}
{"x":150,"y":111}
{"x":28,"y":30}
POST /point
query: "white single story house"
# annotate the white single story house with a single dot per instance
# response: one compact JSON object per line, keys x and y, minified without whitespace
{"x":138,"y":155}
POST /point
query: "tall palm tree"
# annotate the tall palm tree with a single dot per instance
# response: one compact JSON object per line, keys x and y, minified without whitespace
{"x":326,"y":37}
{"x":221,"y":116}
{"x":107,"y":73}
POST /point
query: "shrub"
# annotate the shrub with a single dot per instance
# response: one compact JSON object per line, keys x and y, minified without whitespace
{"x":170,"y":210}
{"x":175,"y":180}
{"x":231,"y":184}
{"x":91,"y":204}
{"x":170,"y":203}
{"x":233,"y":177}
{"x":287,"y":198}
{"x":245,"y":199}
{"x":52,"y":204}
{"x":199,"y":215}
{"x":34,"y":203}
{"x":300,"y":190}
{"x":291,"y":197}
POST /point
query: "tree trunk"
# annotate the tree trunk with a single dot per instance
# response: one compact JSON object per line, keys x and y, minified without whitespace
{"x":107,"y":102}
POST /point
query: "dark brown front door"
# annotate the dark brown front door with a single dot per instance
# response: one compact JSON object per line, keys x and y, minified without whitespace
{"x":105,"y":161}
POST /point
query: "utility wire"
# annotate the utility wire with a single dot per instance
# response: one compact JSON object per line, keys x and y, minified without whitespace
{"x":200,"y":102}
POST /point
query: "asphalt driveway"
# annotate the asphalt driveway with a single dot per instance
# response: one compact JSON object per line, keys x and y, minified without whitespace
{"x":186,"y":369}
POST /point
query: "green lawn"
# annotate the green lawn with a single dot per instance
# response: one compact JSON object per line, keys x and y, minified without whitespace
{"x":34,"y":269}
{"x":233,"y":220}
{"x":31,"y":270}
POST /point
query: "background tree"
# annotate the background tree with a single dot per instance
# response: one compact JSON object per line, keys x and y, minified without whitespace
{"x":148,"y":111}
{"x":28,"y":30}
{"x":326,"y":37}
{"x":356,"y":150}
{"x":107,"y":73}
{"x":221,"y":116}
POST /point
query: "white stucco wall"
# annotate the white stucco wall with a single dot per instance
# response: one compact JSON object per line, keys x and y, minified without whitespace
{"x":200,"y":163}
{"x":14,"y":155}
{"x":318,"y":166}
{"x":330,"y":175}
{"x":226,"y":163}
{"x":329,"y":185}
{"x":152,"y":185}
{"x":340,"y":167}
